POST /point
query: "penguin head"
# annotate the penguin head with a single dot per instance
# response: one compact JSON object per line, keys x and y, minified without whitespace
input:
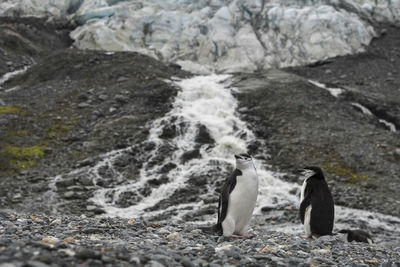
{"x":243,"y":157}
{"x":243,"y":160}
{"x":311,"y":171}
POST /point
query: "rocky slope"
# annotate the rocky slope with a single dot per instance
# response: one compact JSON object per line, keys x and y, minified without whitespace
{"x":70,"y":106}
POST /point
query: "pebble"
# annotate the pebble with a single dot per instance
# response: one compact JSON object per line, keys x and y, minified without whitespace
{"x":50,"y":240}
{"x":103,"y":97}
{"x":83,"y":105}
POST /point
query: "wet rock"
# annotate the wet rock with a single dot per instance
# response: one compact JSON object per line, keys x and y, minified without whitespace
{"x":168,"y":167}
{"x":169,"y":132}
{"x":86,"y":162}
{"x":203,"y":136}
{"x":65,"y":182}
{"x":189,"y":155}
{"x":157,"y":182}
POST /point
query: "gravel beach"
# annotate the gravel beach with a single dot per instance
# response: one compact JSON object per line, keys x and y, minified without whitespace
{"x":39,"y":241}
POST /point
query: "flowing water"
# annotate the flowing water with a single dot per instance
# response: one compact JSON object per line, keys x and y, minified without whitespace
{"x":207,"y":101}
{"x":12,"y":74}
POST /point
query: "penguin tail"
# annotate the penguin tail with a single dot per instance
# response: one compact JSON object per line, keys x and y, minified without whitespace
{"x":343,"y":231}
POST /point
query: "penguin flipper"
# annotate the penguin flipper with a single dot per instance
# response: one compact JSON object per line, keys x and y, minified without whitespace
{"x":227,"y":188}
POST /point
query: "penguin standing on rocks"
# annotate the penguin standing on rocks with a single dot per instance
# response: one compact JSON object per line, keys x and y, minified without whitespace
{"x":316,"y":208}
{"x":237,"y":200}
{"x":357,"y":235}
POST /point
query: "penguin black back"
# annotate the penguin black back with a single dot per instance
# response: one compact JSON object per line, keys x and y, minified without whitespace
{"x":226,"y":189}
{"x":317,"y":195}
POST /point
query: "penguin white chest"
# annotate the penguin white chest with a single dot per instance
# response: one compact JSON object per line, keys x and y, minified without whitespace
{"x":243,"y":198}
{"x":303,"y":189}
{"x":307,"y":215}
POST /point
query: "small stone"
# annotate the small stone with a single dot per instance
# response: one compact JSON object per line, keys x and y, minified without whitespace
{"x":83,"y":105}
{"x":103,"y":97}
{"x":69,"y":194}
{"x":174,"y":235}
{"x":56,"y":221}
{"x":69,"y":240}
{"x":84,"y":97}
{"x":320,"y":251}
{"x":121,"y":99}
{"x":36,"y":264}
{"x":154,"y":225}
{"x":122,"y":79}
{"x":268,"y":248}
{"x":186,"y":262}
{"x":223,"y":247}
{"x":68,"y":252}
{"x":131,"y":221}
{"x":50,"y":240}
{"x":88,"y":254}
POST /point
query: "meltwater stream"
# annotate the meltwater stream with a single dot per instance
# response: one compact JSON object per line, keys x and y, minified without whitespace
{"x":206,"y":101}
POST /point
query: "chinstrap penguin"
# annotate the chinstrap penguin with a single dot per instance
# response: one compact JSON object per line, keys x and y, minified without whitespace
{"x":316,"y":203}
{"x":357,"y":235}
{"x":237,"y":200}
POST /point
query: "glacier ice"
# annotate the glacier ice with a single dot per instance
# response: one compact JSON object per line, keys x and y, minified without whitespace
{"x":220,"y":36}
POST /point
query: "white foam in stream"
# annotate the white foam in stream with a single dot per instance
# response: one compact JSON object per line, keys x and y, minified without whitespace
{"x":11,"y":74}
{"x":334,"y":91}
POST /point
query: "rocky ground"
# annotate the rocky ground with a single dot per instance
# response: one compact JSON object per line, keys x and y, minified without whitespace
{"x":39,"y":241}
{"x":71,"y":106}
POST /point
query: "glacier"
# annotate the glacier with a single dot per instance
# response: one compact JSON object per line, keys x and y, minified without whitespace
{"x":219,"y":36}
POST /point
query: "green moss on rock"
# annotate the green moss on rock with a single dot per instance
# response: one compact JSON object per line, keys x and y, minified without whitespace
{"x":22,"y":158}
{"x":18,"y":133}
{"x":346,"y":172}
{"x":10,"y":110}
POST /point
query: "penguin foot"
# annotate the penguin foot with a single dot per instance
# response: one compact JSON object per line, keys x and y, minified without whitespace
{"x":236,"y":236}
{"x":242,"y":236}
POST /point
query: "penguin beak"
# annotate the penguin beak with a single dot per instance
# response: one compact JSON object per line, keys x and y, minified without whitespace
{"x":299,"y":171}
{"x":237,"y":157}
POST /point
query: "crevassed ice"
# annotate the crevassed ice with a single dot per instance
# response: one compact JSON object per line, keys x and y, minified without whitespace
{"x":223,"y":36}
